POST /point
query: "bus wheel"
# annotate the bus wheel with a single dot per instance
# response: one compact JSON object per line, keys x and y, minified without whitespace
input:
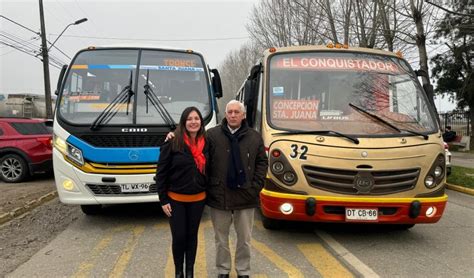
{"x":91,"y":209}
{"x":271,"y":224}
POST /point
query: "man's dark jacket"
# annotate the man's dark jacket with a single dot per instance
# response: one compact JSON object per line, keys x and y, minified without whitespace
{"x":254,"y":160}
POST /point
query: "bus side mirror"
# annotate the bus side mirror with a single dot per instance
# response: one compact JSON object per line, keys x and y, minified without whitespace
{"x":216,"y":83}
{"x":60,"y":79}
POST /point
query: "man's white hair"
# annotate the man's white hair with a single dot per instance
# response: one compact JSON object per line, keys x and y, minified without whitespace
{"x":242,"y":106}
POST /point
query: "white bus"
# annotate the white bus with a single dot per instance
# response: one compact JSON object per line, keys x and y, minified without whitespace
{"x":115,"y":106}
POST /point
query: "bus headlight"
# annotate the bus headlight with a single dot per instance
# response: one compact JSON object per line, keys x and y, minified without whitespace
{"x":429,"y":182}
{"x":436,"y":174}
{"x":281,"y":168}
{"x":75,"y":154}
{"x":438,"y":171}
{"x":59,"y":144}
{"x":289,"y":177}
{"x":277,"y":167}
{"x":68,"y":150}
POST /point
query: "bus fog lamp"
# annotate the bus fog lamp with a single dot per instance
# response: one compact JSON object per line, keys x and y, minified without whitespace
{"x":277,"y":167}
{"x":68,"y":185}
{"x":289,"y":177}
{"x":431,"y":211}
{"x":429,"y":182}
{"x":286,"y":208}
{"x":438,"y":171}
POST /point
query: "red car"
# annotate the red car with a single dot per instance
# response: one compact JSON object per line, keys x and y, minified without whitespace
{"x":25,"y":148}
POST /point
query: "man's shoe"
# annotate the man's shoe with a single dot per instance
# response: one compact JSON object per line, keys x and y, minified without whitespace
{"x":243,"y":276}
{"x":223,"y":276}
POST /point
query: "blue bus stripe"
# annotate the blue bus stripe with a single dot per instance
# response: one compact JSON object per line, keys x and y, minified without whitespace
{"x":115,"y":155}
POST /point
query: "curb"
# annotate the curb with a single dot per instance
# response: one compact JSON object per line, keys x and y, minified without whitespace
{"x":29,"y":206}
{"x":459,"y":188}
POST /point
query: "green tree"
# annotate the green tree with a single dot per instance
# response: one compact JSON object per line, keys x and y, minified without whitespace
{"x":453,"y":68}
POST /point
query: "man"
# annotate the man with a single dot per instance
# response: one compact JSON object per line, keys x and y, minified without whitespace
{"x":449,"y":135}
{"x":237,"y":167}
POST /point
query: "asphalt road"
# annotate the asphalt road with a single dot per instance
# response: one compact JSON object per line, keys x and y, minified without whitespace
{"x":134,"y":241}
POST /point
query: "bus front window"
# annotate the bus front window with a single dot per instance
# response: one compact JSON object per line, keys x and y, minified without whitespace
{"x":99,"y":76}
{"x":318,"y":91}
{"x":95,"y":79}
{"x":177,"y":79}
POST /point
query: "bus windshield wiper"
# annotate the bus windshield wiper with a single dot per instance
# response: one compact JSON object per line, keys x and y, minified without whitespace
{"x":372,"y":115}
{"x":416,"y":133}
{"x":114,"y":106}
{"x":385,"y":122}
{"x":318,"y":132}
{"x":150,"y":95}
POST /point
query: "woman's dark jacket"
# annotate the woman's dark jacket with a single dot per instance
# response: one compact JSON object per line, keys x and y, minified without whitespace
{"x":254,"y":160}
{"x":177,"y":172}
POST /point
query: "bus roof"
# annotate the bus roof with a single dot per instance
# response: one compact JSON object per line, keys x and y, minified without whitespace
{"x":326,"y":48}
{"x":141,"y":46}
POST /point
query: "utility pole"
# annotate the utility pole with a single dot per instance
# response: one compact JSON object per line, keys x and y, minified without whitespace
{"x":44,"y":52}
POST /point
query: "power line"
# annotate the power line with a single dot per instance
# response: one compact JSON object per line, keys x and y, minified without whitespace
{"x":37,"y":33}
{"x":164,"y":40}
{"x":26,"y":52}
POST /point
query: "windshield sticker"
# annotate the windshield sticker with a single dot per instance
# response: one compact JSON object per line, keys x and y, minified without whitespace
{"x":180,"y":62}
{"x":86,"y":97}
{"x":171,"y":68}
{"x":144,"y":67}
{"x":323,"y":63}
{"x":98,"y":66}
{"x":85,"y":107}
{"x":289,"y":109}
{"x":330,"y":113}
{"x":278,"y":91}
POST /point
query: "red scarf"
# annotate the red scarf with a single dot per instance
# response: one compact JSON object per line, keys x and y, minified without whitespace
{"x":196,"y":151}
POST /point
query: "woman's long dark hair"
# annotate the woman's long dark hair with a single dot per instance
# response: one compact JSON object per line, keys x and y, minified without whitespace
{"x":178,"y":141}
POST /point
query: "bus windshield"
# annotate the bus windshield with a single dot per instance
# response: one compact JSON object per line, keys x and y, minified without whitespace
{"x":97,"y":77}
{"x":351,"y":93}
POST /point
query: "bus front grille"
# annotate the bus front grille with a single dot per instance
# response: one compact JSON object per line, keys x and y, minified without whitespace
{"x":113,"y":189}
{"x":123,"y":141}
{"x":361,"y":182}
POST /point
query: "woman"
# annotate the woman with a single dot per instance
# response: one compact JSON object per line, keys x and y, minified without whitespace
{"x":181,"y":186}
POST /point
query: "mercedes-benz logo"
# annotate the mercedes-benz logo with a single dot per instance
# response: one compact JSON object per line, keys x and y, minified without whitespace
{"x":133,"y":155}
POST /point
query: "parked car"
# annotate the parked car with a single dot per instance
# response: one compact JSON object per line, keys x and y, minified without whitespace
{"x":448,"y":158}
{"x":25,"y":148}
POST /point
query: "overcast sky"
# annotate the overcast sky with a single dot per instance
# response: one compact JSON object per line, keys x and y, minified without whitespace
{"x":212,"y":27}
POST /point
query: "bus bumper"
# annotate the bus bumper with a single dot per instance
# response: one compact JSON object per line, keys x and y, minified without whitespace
{"x":72,"y":185}
{"x":333,"y":209}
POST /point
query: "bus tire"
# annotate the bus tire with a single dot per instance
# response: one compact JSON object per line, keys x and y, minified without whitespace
{"x":91,"y":209}
{"x":271,"y":224}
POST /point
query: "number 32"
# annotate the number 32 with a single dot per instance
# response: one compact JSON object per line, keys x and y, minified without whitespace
{"x":294,"y":151}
